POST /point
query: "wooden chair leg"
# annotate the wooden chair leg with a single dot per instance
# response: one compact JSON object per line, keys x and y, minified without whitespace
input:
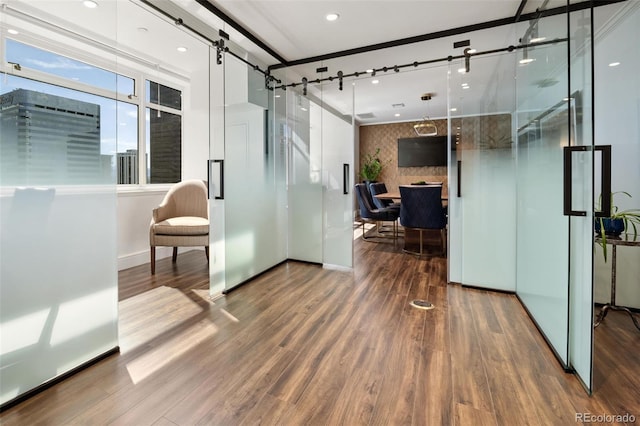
{"x":206,"y":252}
{"x":175,"y":254}
{"x":153,"y":260}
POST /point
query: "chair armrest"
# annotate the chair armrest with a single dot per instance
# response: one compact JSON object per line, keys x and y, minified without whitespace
{"x":162,"y":212}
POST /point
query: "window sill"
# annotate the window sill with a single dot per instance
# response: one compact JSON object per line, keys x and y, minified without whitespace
{"x":133,"y":190}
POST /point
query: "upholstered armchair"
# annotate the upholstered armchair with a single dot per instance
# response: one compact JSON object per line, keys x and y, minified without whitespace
{"x":421,"y":209}
{"x":181,"y":220}
{"x":380,"y":188}
{"x":369,"y":212}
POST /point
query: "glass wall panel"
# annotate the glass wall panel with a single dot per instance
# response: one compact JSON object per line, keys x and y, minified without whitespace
{"x":543,"y":114}
{"x":617,"y":104}
{"x":58,"y":272}
{"x":52,"y":63}
{"x":253,"y":177}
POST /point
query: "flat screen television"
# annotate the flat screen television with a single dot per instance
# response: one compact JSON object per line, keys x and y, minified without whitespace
{"x":422,"y":151}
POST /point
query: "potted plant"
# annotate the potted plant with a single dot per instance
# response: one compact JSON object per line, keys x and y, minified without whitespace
{"x":371,"y":167}
{"x":617,"y":222}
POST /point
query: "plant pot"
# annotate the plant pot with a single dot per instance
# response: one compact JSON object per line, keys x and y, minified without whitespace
{"x":613,"y":227}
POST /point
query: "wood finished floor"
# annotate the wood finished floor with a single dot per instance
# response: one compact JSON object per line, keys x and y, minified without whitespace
{"x":302,"y":345}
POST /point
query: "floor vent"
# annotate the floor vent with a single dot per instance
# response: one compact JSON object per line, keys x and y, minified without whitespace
{"x":421,"y":304}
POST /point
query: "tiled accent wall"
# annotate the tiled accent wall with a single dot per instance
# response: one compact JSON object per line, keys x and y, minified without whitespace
{"x":486,"y":132}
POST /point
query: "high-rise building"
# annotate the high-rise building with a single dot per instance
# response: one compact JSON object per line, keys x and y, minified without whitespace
{"x":48,"y":139}
{"x":127,"y":167}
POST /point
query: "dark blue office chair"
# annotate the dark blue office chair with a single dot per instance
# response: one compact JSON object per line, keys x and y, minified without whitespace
{"x":380,"y":188}
{"x":369,"y":212}
{"x":422,"y":210}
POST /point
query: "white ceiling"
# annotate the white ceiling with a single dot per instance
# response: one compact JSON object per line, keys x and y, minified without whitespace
{"x":298,"y":29}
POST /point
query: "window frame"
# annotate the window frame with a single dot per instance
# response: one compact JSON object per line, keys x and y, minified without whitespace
{"x":138,"y":98}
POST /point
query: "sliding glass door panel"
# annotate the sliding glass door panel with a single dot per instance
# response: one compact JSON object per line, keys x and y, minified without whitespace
{"x":484,"y":172}
{"x":581,"y":227}
{"x":304,"y":183}
{"x":337,"y":173}
{"x":253,"y":178}
{"x":554,"y":269}
{"x":320,"y":157}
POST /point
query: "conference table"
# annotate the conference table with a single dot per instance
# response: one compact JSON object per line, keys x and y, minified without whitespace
{"x":396,"y":196}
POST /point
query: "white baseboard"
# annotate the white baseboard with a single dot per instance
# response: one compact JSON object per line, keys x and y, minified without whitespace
{"x":144,"y":257}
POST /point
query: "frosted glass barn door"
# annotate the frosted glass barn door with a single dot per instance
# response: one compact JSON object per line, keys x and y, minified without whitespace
{"x":253,"y":184}
{"x":482,"y":191}
{"x":320,"y":146}
{"x":337,"y":177}
{"x":554,"y":279}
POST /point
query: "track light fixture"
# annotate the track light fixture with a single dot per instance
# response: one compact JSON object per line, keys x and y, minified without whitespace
{"x":340,"y":80}
{"x":304,"y":86}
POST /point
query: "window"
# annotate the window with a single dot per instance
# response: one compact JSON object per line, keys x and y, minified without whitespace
{"x":163,"y":134}
{"x":89,"y":117}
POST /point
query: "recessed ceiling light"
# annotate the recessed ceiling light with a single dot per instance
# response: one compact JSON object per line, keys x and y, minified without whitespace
{"x":397,"y":114}
{"x":462,"y":70}
{"x":332,"y":17}
{"x":90,"y":4}
{"x":182,"y":49}
{"x":614,"y":64}
{"x":465,"y":87}
{"x":453,"y":109}
{"x":526,"y":61}
{"x":538,"y":39}
{"x":12,"y":31}
{"x":370,"y":70}
{"x":277,"y":96}
{"x":303,"y":108}
{"x":375,"y":81}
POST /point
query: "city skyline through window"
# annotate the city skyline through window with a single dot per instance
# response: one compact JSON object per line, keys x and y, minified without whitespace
{"x":119,"y":121}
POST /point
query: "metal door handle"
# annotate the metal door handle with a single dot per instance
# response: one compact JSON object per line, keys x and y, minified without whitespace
{"x":605,"y":175}
{"x":215,"y":178}
{"x":345,"y":178}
